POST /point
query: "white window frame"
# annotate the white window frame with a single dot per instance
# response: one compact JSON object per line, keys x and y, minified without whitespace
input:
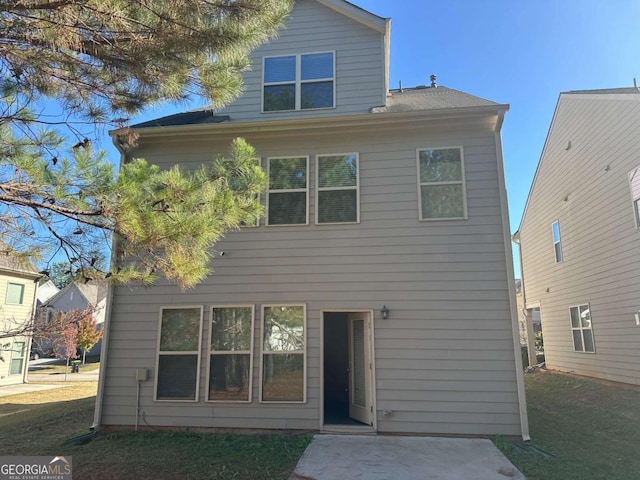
{"x":329,"y":189}
{"x":22,"y":286}
{"x":462,"y":182}
{"x":211,"y":352}
{"x":22,"y":358}
{"x":290,"y":190}
{"x":263,"y":352}
{"x":635,"y":197}
{"x":172,"y":352}
{"x":298,"y":82}
{"x":257,"y":223}
{"x":582,"y":329}
{"x":558,"y":242}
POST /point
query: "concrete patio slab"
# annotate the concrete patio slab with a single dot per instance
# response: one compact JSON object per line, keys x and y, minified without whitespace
{"x":331,"y":457}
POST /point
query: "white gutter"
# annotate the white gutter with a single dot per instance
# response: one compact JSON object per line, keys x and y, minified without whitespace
{"x":515,"y":328}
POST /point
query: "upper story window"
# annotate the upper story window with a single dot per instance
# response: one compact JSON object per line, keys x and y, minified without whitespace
{"x":441,"y":184}
{"x":337,"y":189}
{"x":288,"y":199}
{"x":557,"y":242}
{"x":15,"y":294}
{"x":298,"y":82}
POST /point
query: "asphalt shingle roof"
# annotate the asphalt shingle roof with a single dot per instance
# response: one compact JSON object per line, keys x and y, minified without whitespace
{"x":194,"y":117}
{"x":429,"y":98}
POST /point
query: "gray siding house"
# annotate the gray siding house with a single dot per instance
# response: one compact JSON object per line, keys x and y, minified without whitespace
{"x":375,"y":295}
{"x":580,"y":236}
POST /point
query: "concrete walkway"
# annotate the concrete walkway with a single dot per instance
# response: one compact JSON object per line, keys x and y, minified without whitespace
{"x":6,"y":390}
{"x":332,"y":457}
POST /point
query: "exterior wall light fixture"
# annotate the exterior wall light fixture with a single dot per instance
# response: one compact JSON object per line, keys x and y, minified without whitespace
{"x":384,"y":311}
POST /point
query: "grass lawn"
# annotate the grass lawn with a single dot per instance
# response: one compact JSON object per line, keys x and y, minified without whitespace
{"x":38,"y":423}
{"x":92,"y":363}
{"x":592,"y":430}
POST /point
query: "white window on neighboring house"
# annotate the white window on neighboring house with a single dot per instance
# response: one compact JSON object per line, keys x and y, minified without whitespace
{"x":18,"y":355}
{"x":288,"y":199}
{"x":298,"y":82}
{"x":582,"y":329}
{"x":337,"y":185}
{"x":557,"y":241}
{"x":634,"y":186}
{"x":230,"y":353}
{"x":283,"y":365}
{"x":441,"y":183}
{"x":178,"y":361}
{"x":15,"y":294}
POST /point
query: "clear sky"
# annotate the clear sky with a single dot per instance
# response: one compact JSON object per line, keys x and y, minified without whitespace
{"x":519,"y":52}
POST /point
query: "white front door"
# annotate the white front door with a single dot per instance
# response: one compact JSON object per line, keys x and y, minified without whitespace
{"x":360,"y":395}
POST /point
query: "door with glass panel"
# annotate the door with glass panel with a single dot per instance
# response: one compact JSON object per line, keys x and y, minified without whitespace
{"x":360,"y":395}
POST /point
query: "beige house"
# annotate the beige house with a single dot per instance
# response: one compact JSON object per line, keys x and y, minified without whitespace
{"x":580,"y":233}
{"x":18,"y":285}
{"x":376,"y":294}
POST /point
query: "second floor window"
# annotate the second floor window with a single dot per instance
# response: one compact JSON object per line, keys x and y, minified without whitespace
{"x":298,"y":82}
{"x":557,"y":242}
{"x":337,"y":189}
{"x":288,"y":191}
{"x":441,"y":183}
{"x":15,"y":293}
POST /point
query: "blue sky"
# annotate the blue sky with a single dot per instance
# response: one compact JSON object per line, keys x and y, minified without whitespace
{"x":523,"y":53}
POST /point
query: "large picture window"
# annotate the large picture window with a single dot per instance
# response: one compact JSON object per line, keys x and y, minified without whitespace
{"x":288,"y":191}
{"x":230,"y":354}
{"x":337,"y":188}
{"x":179,"y":353}
{"x":299,"y":82}
{"x":441,"y":184}
{"x":283,"y":353}
{"x":582,"y":329}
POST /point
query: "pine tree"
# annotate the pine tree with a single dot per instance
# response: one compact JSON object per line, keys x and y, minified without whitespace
{"x":67,"y":67}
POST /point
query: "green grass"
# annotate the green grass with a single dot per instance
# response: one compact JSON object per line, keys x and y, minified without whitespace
{"x":129,"y":455}
{"x":591,"y":429}
{"x":92,"y":363}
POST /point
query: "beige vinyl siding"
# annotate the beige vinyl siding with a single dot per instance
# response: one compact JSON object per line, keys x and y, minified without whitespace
{"x":444,"y":359}
{"x":12,"y":316}
{"x":359,"y":72}
{"x":600,"y":241}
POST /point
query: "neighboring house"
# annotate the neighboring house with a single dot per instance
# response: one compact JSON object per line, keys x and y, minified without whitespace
{"x":377,"y":292}
{"x":77,"y":296}
{"x":580,"y":236}
{"x":18,"y":286}
{"x":46,"y":290}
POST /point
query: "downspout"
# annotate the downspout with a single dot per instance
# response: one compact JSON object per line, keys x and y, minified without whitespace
{"x":515,"y":329}
{"x":97,"y":415}
{"x":25,"y":372}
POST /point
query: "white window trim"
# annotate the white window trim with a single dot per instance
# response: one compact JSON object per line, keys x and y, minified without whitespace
{"x":15,"y":357}
{"x":257,"y":223}
{"x":559,"y":242}
{"x":234,"y":352}
{"x":297,"y":83}
{"x":303,"y":352}
{"x":7,"y":293}
{"x":462,"y":182}
{"x":191,"y":352}
{"x":635,"y":199}
{"x":290,"y":190}
{"x":581,"y":328}
{"x":329,"y":189}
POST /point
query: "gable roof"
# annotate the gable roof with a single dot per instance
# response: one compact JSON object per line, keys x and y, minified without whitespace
{"x":358,"y":14}
{"x":93,"y":292}
{"x":602,"y":91}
